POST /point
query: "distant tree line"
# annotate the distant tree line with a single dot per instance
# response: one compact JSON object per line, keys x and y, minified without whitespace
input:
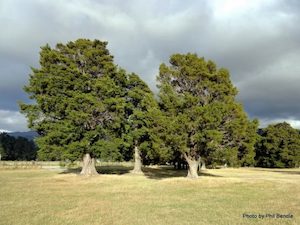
{"x":18,"y":148}
{"x":277,"y":146}
{"x":87,"y":107}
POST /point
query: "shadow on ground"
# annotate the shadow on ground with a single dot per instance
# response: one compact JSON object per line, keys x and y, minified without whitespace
{"x":71,"y":170}
{"x":169,"y":172}
{"x":160,"y":172}
{"x":118,"y":170}
{"x":281,"y":171}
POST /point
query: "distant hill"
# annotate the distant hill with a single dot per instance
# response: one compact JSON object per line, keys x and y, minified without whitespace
{"x":30,"y":135}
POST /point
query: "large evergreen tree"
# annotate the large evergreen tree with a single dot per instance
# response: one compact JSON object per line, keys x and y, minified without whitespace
{"x":78,"y":99}
{"x":141,"y":116}
{"x":204,"y":120}
{"x":279,"y":146}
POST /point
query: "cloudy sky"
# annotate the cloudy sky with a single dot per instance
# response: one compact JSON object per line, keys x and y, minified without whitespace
{"x":257,"y":40}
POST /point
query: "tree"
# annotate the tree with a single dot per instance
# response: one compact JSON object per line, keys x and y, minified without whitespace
{"x":78,"y":100}
{"x":141,"y":111}
{"x":19,"y":148}
{"x":246,"y":151}
{"x":24,"y":149}
{"x":8,"y":143}
{"x":279,"y":146}
{"x":204,"y":119}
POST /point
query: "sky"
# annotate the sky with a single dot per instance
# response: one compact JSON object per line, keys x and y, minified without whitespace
{"x":258,"y":41}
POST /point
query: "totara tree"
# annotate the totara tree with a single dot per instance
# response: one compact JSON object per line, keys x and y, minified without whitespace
{"x":78,"y":99}
{"x":279,"y":146}
{"x":140,"y":116}
{"x":204,"y":120}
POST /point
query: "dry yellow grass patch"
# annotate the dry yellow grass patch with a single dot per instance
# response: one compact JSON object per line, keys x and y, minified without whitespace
{"x":219,"y":197}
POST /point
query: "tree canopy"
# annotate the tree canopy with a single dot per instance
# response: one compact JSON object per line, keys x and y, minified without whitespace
{"x":140,"y":114}
{"x":205,"y":121}
{"x":78,"y":100}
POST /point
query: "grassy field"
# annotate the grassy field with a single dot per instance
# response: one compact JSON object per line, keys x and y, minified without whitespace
{"x":161,"y":196}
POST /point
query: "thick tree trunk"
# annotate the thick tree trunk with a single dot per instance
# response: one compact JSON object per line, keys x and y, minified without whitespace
{"x":137,"y":161}
{"x":88,"y":166}
{"x":193,"y":165}
{"x":193,"y":169}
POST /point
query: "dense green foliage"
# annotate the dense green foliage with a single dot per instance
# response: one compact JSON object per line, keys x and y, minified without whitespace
{"x":198,"y":100}
{"x":19,"y":148}
{"x":78,"y":101}
{"x":139,"y":119}
{"x":279,"y":146}
{"x":85,"y":104}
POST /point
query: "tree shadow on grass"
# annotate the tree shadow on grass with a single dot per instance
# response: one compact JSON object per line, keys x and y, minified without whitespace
{"x":117,"y":170}
{"x":281,"y":171}
{"x":288,"y":172}
{"x":71,"y":171}
{"x":207,"y":174}
{"x":157,"y":173}
{"x":163,"y":172}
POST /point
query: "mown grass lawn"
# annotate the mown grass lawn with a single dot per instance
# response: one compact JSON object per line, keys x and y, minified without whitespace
{"x":162,"y":196}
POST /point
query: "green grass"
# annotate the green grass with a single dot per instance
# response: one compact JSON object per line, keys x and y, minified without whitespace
{"x":161,"y":196}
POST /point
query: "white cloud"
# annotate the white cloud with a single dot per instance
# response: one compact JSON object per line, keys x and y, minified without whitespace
{"x":12,"y":121}
{"x":293,"y":122}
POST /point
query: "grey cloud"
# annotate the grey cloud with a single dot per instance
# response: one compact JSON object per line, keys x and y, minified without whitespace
{"x":14,"y":76}
{"x":274,"y":92}
{"x":143,"y":34}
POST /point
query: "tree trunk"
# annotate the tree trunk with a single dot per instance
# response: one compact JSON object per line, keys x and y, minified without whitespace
{"x":203,"y":167}
{"x":193,"y":165}
{"x":88,"y":166}
{"x":137,"y":161}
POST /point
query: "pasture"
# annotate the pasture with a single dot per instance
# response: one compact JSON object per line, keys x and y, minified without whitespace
{"x":161,"y":196}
